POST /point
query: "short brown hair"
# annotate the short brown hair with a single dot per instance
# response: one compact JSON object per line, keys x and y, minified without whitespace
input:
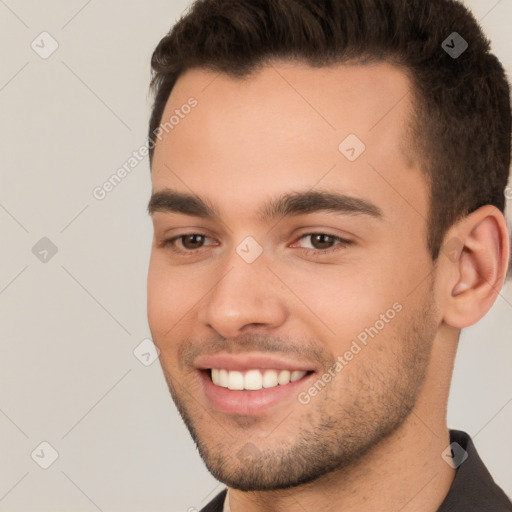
{"x":460,"y":131}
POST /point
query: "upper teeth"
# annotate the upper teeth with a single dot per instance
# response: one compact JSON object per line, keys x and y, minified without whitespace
{"x":254,"y":379}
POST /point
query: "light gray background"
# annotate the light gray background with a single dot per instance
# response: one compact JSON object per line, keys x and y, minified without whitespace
{"x":69,"y":326}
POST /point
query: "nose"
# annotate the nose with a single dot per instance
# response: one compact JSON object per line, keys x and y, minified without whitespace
{"x":245,"y":294}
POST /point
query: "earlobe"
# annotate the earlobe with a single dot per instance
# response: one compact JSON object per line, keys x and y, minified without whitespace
{"x":477,"y":265}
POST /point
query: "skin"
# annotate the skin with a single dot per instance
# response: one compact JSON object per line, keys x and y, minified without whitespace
{"x":372,"y":438}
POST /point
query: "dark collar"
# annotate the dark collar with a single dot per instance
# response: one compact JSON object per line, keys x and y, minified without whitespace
{"x":473,"y":488}
{"x":217,"y":504}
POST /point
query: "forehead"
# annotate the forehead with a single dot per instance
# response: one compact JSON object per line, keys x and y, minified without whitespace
{"x":291,"y":125}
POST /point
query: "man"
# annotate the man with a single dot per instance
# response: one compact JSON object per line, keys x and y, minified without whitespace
{"x":328,"y":194}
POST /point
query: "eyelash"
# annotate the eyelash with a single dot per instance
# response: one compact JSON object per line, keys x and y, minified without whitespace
{"x":313,"y":252}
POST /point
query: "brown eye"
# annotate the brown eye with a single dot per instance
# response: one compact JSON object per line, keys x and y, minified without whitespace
{"x":192,"y":241}
{"x":321,"y":244}
{"x":322,"y":241}
{"x":188,"y":244}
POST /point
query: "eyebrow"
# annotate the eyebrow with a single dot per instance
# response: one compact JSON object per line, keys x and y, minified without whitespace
{"x":286,"y":205}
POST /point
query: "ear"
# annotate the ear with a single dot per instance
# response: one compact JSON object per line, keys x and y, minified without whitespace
{"x":474,"y":265}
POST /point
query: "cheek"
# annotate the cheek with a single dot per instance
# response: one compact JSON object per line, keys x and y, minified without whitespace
{"x":161,"y":297}
{"x":341,"y":300}
{"x":171,"y":296}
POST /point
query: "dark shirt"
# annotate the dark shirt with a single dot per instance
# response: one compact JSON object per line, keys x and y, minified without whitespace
{"x":472,"y":490}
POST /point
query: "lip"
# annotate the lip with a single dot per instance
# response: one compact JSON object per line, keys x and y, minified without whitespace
{"x":250,"y":402}
{"x":243,"y":362}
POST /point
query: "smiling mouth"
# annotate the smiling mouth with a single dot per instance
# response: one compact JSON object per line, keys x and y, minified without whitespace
{"x":254,"y":379}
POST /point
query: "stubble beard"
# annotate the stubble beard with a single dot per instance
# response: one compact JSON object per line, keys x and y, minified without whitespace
{"x":334,"y":434}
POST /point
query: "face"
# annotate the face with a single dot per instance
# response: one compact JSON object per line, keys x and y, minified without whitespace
{"x":291,"y":293}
